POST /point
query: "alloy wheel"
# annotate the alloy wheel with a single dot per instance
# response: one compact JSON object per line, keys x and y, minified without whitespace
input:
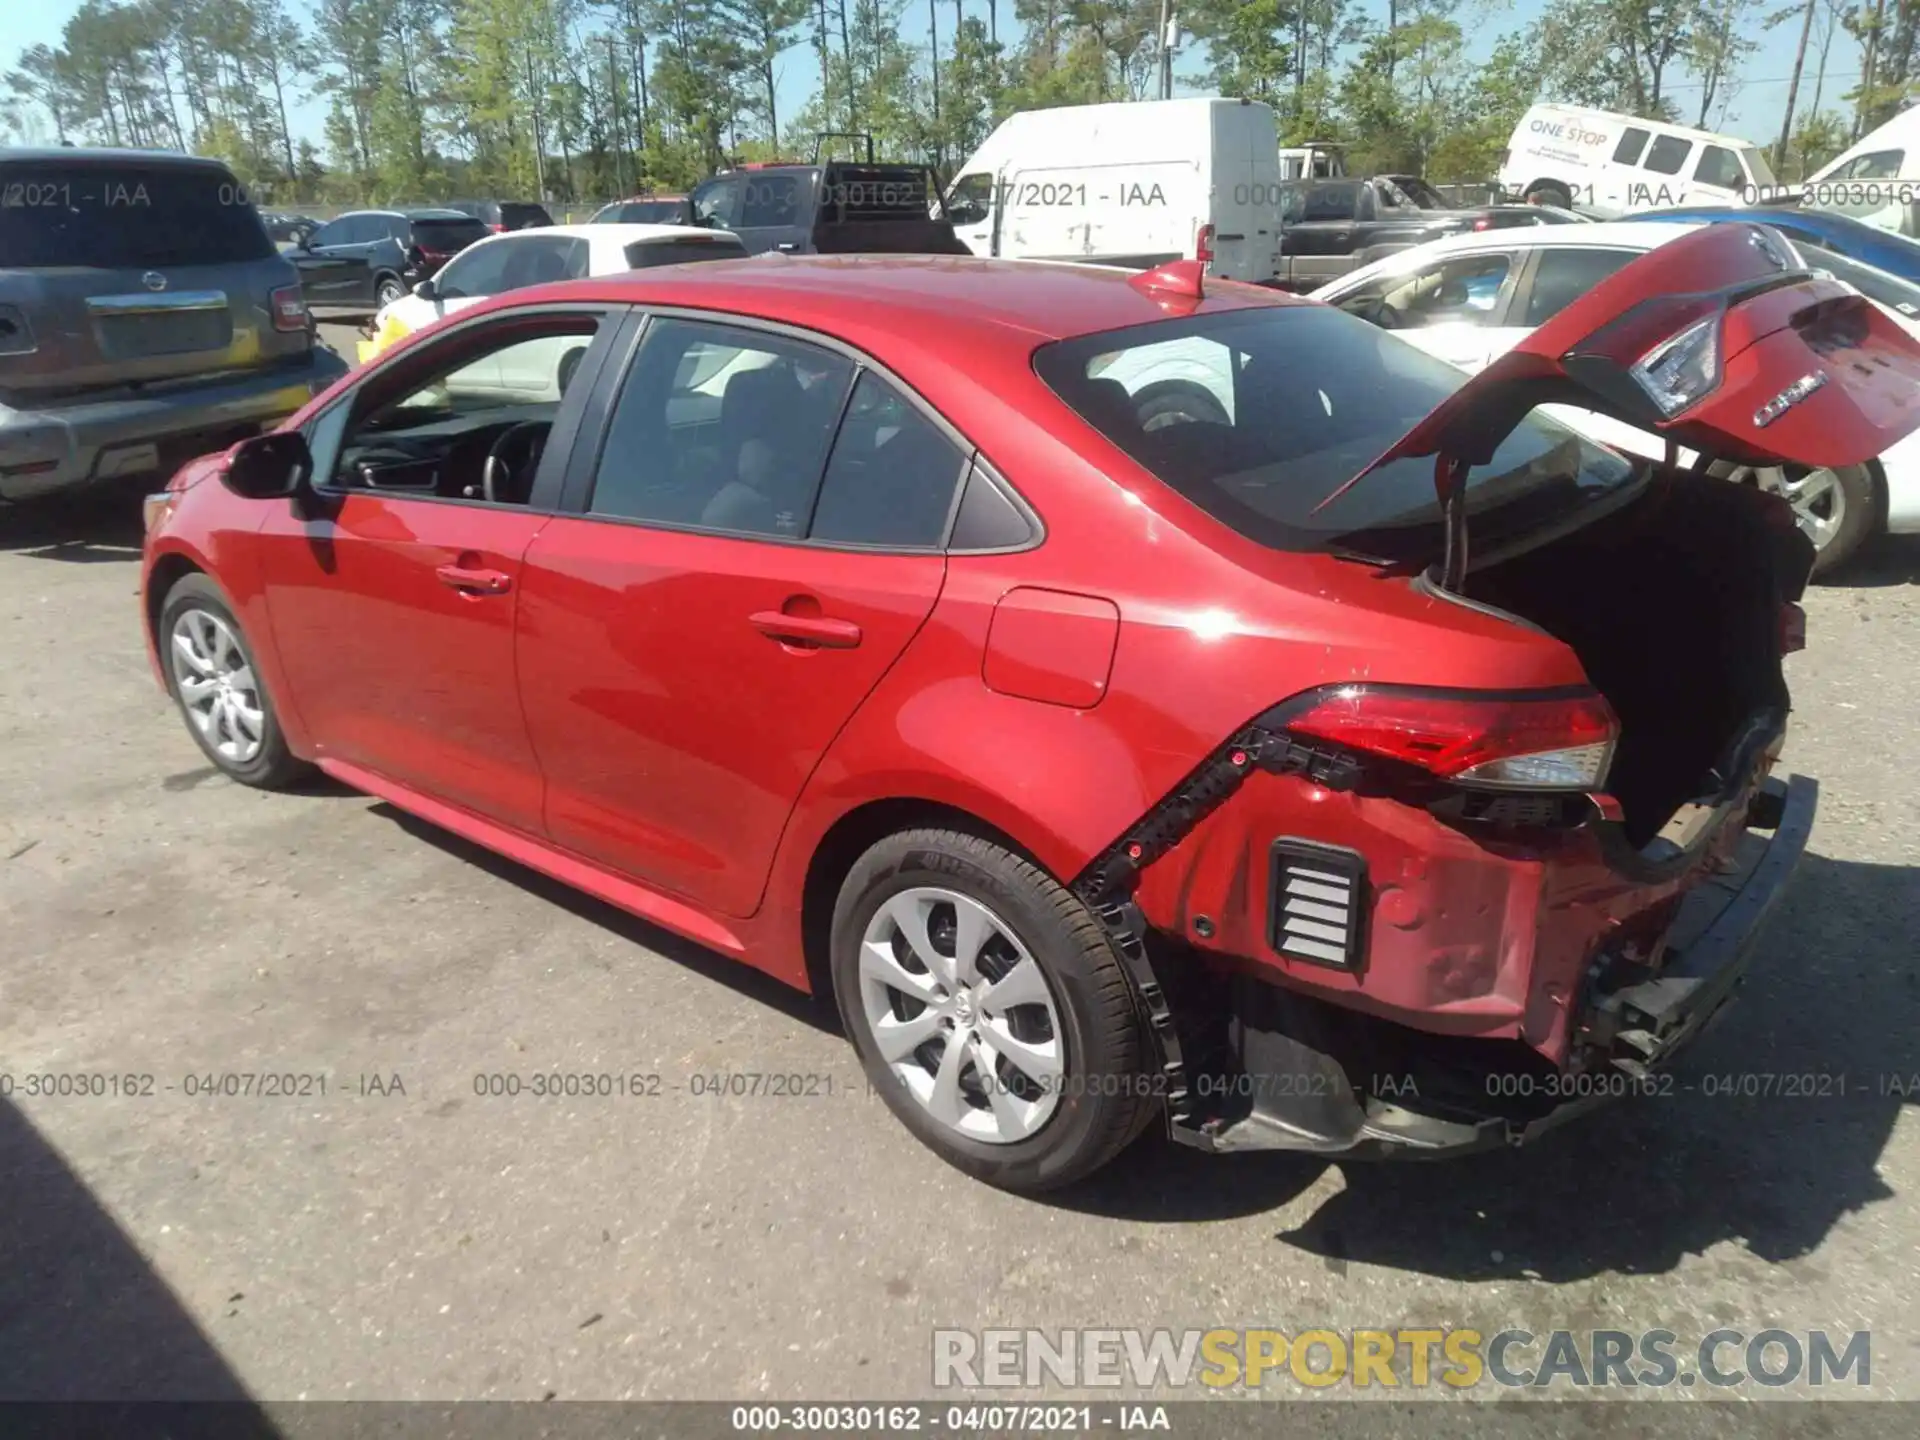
{"x":962,"y":1014}
{"x":1819,"y":502}
{"x":216,"y":685}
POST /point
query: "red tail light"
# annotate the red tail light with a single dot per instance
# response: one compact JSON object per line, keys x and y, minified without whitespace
{"x":289,"y":308}
{"x":1485,"y":222}
{"x":1203,"y":245}
{"x":498,"y":229}
{"x":1793,"y":629}
{"x":1554,"y":742}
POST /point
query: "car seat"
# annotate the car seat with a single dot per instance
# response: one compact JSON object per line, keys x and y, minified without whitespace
{"x":765,"y":490}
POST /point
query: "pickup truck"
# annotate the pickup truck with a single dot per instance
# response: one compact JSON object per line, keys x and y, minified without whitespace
{"x":1333,"y":225}
{"x":830,"y":208}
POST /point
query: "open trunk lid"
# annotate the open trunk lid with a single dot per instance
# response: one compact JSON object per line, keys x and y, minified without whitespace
{"x":1719,"y":342}
{"x":121,"y":271}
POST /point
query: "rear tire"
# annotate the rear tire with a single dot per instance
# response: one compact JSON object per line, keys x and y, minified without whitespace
{"x":1838,"y":509}
{"x":213,"y":678}
{"x":387,"y":290}
{"x":1041,"y":964}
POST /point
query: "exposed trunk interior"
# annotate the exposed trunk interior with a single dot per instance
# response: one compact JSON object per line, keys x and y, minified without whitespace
{"x":1673,"y":605}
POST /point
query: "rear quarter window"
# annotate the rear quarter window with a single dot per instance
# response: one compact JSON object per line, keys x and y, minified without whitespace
{"x":122,"y":216}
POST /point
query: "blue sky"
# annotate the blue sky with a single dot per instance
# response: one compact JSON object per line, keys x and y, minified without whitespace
{"x":1755,"y":112}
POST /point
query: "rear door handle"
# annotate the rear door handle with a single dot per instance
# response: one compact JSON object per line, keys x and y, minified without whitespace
{"x":475,"y":582}
{"x":822,"y":630}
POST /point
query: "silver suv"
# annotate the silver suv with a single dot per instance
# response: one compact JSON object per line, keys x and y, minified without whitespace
{"x":145,"y":317}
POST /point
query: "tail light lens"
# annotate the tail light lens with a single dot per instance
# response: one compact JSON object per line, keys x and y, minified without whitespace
{"x":1483,"y":223}
{"x":1556,"y":742}
{"x":1683,"y":368}
{"x":289,"y":308}
{"x":1203,"y":245}
{"x":498,"y":229}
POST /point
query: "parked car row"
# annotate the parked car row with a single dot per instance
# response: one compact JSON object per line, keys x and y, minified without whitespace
{"x":906,"y":628}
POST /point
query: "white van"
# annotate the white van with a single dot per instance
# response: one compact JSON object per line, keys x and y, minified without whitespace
{"x":1315,"y":160}
{"x":1608,"y":164}
{"x":1877,"y":179}
{"x":1135,"y":183}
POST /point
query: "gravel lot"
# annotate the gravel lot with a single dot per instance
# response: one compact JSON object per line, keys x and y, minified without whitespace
{"x":430,"y":1243}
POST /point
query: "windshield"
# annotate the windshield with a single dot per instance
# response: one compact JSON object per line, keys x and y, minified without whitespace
{"x":1259,"y":415}
{"x":119,"y":216}
{"x":645,"y":212}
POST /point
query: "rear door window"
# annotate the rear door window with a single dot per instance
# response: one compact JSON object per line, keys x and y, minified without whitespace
{"x":891,"y":478}
{"x":1337,"y":201}
{"x":125,"y":215}
{"x":1633,"y":140}
{"x":772,"y":201}
{"x":476,"y":272}
{"x":721,"y":428}
{"x":1668,"y":155}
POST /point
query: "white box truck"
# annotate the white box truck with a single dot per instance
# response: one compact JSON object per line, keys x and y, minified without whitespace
{"x":1134,"y":184}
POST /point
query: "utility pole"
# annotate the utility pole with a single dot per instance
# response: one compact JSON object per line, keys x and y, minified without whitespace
{"x":1166,"y":49}
{"x":1865,"y":106}
{"x":1793,"y":92}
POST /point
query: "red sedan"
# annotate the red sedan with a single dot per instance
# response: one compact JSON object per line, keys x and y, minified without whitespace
{"x":1131,"y":696}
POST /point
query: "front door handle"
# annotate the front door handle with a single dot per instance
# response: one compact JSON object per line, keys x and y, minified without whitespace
{"x":475,"y":582}
{"x":822,"y":630}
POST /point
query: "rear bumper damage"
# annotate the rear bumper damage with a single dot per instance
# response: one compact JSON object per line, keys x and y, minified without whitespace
{"x":1295,"y":1073}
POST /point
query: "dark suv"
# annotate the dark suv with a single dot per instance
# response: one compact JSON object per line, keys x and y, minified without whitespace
{"x":835,"y":208}
{"x":500,"y":216}
{"x":145,"y":317}
{"x":369,"y":258}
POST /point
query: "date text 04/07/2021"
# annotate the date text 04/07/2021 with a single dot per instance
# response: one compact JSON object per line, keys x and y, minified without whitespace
{"x":971,"y":1419}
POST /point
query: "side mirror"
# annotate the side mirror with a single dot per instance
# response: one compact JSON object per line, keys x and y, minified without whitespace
{"x":268,"y":466}
{"x":427,"y":290}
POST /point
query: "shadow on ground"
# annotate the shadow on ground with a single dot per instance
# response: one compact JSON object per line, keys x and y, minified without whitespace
{"x":80,"y":527}
{"x":83,"y":1316}
{"x":1828,"y":1022}
{"x":1888,"y":560}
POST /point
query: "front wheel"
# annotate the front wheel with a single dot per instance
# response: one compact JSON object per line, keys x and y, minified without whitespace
{"x":387,"y":291}
{"x":211,"y":672}
{"x":988,"y":1009}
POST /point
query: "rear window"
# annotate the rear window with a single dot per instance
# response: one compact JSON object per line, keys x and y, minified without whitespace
{"x":648,"y":212}
{"x":1258,"y":416}
{"x":644,"y":254}
{"x":517,"y":216}
{"x":122,"y":216}
{"x":446,"y":235}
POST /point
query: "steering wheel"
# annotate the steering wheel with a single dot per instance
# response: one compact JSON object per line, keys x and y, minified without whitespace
{"x":496,"y":476}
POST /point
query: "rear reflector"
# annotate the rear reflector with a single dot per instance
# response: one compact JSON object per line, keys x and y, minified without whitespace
{"x":1318,"y":903}
{"x":289,"y":308}
{"x":1557,"y":741}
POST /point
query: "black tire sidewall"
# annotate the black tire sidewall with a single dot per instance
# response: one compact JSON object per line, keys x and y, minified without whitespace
{"x":387,"y":291}
{"x":1099,"y":1073}
{"x":274,"y":762}
{"x":1169,"y":395}
{"x":1552,"y":193}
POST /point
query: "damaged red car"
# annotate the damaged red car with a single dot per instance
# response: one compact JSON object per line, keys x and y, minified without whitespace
{"x":1135,"y":699}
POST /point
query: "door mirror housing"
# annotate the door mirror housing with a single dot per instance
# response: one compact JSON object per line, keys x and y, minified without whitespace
{"x":427,"y":290}
{"x":268,"y":466}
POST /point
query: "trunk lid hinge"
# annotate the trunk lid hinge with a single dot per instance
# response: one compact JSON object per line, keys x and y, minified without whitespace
{"x":1450,"y":480}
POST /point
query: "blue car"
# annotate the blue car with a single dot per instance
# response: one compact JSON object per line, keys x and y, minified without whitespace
{"x":1821,"y":229}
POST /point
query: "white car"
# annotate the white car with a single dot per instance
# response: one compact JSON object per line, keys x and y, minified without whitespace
{"x":1468,"y":299}
{"x":521,"y":258}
